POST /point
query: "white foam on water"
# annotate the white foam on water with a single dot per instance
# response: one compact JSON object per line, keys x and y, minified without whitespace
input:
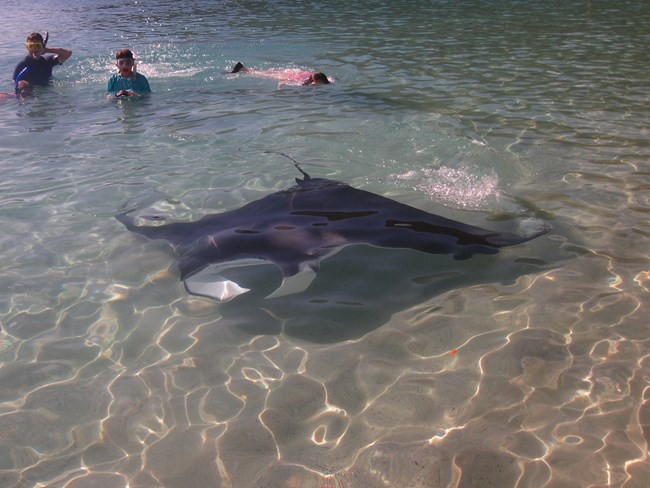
{"x":454,"y":187}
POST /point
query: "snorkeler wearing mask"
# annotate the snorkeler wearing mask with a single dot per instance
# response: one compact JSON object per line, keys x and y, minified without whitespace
{"x":127,"y":82}
{"x":36,"y":67}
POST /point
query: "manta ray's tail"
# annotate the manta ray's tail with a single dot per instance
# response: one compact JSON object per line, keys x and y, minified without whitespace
{"x":155,"y":231}
{"x":307,"y":177}
{"x":295,"y":163}
{"x":127,"y":220}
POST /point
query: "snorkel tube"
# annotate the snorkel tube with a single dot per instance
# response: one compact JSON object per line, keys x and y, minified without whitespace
{"x":45,"y":39}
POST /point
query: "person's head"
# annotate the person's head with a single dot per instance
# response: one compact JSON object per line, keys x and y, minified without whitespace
{"x":317,"y":79}
{"x":125,"y":62}
{"x":23,"y":88}
{"x":35,"y":44}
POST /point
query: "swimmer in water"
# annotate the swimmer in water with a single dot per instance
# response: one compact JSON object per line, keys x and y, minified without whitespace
{"x":289,"y":76}
{"x":36,"y":67}
{"x":127,"y":83}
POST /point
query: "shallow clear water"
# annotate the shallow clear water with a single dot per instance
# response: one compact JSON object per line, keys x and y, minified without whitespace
{"x":528,"y":368}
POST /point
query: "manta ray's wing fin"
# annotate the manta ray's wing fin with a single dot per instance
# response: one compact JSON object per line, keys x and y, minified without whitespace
{"x":227,"y":280}
{"x":295,"y":283}
{"x":298,"y":281}
{"x":218,"y":288}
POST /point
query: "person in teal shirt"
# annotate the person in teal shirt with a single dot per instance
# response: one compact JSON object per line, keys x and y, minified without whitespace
{"x":127,"y":82}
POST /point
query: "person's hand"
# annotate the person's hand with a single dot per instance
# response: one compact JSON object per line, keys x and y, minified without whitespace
{"x":123,"y":93}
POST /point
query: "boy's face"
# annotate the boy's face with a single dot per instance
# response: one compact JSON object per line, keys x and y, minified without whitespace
{"x":125,"y":66}
{"x":35,"y":48}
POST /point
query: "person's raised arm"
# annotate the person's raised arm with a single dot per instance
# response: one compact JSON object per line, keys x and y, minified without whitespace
{"x":62,"y":54}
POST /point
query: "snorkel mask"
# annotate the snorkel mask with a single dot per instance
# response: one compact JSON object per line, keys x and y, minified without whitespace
{"x":36,"y":39}
{"x":121,"y":62}
{"x":125,"y":60}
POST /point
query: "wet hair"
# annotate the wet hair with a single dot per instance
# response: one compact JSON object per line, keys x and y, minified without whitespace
{"x":123,"y":53}
{"x":320,"y":77}
{"x":316,"y":78}
{"x":36,"y":37}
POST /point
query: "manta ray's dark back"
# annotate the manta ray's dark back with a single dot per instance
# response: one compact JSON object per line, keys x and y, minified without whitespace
{"x":294,"y":228}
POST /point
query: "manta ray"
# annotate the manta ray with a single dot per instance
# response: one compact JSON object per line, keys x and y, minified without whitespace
{"x":294,"y":229}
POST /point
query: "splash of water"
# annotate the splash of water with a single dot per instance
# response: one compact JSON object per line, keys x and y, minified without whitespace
{"x":454,"y":187}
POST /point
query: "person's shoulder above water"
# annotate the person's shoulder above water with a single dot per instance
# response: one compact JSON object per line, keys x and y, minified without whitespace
{"x":142,"y":79}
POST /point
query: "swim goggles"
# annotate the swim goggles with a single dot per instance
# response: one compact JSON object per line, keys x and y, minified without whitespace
{"x":125,"y":62}
{"x":38,"y":44}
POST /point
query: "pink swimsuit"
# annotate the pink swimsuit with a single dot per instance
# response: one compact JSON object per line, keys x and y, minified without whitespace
{"x":288,"y":76}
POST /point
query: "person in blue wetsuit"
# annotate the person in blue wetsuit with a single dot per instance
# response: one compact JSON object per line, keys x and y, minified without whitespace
{"x":36,"y":67}
{"x":127,"y":82}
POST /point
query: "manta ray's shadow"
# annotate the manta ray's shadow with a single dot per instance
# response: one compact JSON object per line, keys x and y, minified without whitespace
{"x":261,"y":259}
{"x":362,"y":287}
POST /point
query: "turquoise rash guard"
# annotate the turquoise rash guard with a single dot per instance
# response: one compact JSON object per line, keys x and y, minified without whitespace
{"x":137,"y":83}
